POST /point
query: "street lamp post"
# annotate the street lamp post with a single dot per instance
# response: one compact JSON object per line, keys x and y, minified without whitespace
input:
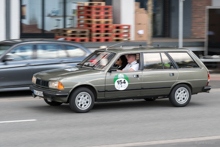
{"x":181,"y":23}
{"x":150,"y":31}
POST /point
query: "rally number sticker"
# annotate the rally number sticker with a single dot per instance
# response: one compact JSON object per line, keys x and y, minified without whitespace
{"x":121,"y":82}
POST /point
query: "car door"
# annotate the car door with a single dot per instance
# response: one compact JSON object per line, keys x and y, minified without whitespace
{"x":15,"y":68}
{"x":159,"y":74}
{"x":123,"y":84}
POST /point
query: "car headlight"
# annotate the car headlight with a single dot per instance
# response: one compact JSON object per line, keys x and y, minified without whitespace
{"x":56,"y":85}
{"x":34,"y":79}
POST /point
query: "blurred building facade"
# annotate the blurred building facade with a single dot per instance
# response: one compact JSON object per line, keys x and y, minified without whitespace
{"x":39,"y":18}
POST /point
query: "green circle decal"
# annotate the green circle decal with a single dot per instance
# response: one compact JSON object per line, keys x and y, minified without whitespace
{"x":121,"y":81}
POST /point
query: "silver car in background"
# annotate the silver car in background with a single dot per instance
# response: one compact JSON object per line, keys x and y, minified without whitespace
{"x":20,"y":59}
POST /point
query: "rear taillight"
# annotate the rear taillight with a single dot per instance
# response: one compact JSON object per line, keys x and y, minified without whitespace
{"x":208,"y":79}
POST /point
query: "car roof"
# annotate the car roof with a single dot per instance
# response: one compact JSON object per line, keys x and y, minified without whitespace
{"x":18,"y":41}
{"x":137,"y":50}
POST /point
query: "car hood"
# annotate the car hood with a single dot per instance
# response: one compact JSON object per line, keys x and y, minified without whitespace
{"x":58,"y":74}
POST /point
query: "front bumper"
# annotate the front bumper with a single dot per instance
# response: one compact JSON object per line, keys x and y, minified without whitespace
{"x":57,"y":96}
{"x":206,"y":88}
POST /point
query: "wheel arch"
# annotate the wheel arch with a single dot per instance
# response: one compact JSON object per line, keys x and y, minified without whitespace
{"x":84,"y":85}
{"x":188,"y":84}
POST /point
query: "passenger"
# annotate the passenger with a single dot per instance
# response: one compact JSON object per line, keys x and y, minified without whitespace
{"x":121,"y":62}
{"x":132,"y":63}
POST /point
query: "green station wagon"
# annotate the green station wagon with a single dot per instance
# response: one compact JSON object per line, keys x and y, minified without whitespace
{"x":147,"y":74}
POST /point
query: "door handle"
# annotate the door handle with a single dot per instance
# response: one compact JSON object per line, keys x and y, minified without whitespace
{"x":171,"y":74}
{"x":136,"y":76}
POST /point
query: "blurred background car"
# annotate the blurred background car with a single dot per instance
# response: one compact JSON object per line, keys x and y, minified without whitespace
{"x":20,"y":59}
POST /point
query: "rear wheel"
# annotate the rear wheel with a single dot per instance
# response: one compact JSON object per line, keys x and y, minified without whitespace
{"x":52,"y":103}
{"x":82,"y":100}
{"x":180,"y":95}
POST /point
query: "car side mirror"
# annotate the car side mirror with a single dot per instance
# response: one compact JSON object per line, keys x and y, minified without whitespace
{"x":7,"y":58}
{"x":113,"y":69}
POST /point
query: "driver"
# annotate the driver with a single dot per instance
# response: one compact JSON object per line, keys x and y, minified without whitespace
{"x":132,"y":63}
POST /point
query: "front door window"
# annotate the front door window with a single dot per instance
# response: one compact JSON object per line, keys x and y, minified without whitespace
{"x":20,"y":53}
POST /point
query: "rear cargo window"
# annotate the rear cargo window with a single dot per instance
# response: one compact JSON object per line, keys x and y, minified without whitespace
{"x":183,"y":60}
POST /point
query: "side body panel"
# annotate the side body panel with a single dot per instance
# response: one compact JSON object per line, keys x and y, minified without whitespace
{"x":196,"y":77}
{"x":132,"y":90}
{"x":15,"y":74}
{"x":95,"y":80}
{"x":158,"y":82}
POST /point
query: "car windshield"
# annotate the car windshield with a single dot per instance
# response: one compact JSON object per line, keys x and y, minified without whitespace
{"x":98,"y":60}
{"x":4,"y":48}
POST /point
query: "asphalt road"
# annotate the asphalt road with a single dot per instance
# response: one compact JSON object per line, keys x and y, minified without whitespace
{"x":26,"y":122}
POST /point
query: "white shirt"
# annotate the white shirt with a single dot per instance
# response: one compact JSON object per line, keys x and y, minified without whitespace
{"x":134,"y":65}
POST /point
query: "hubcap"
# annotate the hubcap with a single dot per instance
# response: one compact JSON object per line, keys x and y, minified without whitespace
{"x":181,"y":95}
{"x":83,"y":100}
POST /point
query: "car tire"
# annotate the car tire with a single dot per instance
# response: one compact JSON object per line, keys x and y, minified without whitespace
{"x":150,"y":99}
{"x":82,"y":100}
{"x":52,"y":103}
{"x":180,"y":95}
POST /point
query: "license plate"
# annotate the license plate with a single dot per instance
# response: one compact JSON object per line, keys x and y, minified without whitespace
{"x":38,"y":93}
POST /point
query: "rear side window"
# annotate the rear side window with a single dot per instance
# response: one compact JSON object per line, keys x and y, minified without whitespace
{"x":50,"y":51}
{"x":152,"y":61}
{"x":74,"y":51}
{"x":183,"y":60}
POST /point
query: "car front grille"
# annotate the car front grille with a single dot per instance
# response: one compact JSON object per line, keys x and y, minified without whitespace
{"x":42,"y":83}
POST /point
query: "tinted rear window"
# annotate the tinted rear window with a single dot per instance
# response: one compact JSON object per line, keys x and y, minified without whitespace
{"x":50,"y":51}
{"x":183,"y":60}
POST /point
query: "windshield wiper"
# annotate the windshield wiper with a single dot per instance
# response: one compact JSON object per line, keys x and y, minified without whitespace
{"x":87,"y":65}
{"x":93,"y":67}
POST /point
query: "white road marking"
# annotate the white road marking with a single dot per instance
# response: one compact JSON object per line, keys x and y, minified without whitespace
{"x":162,"y":142}
{"x":18,"y":99}
{"x":17,"y":121}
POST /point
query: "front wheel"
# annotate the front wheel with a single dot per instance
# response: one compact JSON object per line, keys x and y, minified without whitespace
{"x":82,"y":100}
{"x":180,"y":95}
